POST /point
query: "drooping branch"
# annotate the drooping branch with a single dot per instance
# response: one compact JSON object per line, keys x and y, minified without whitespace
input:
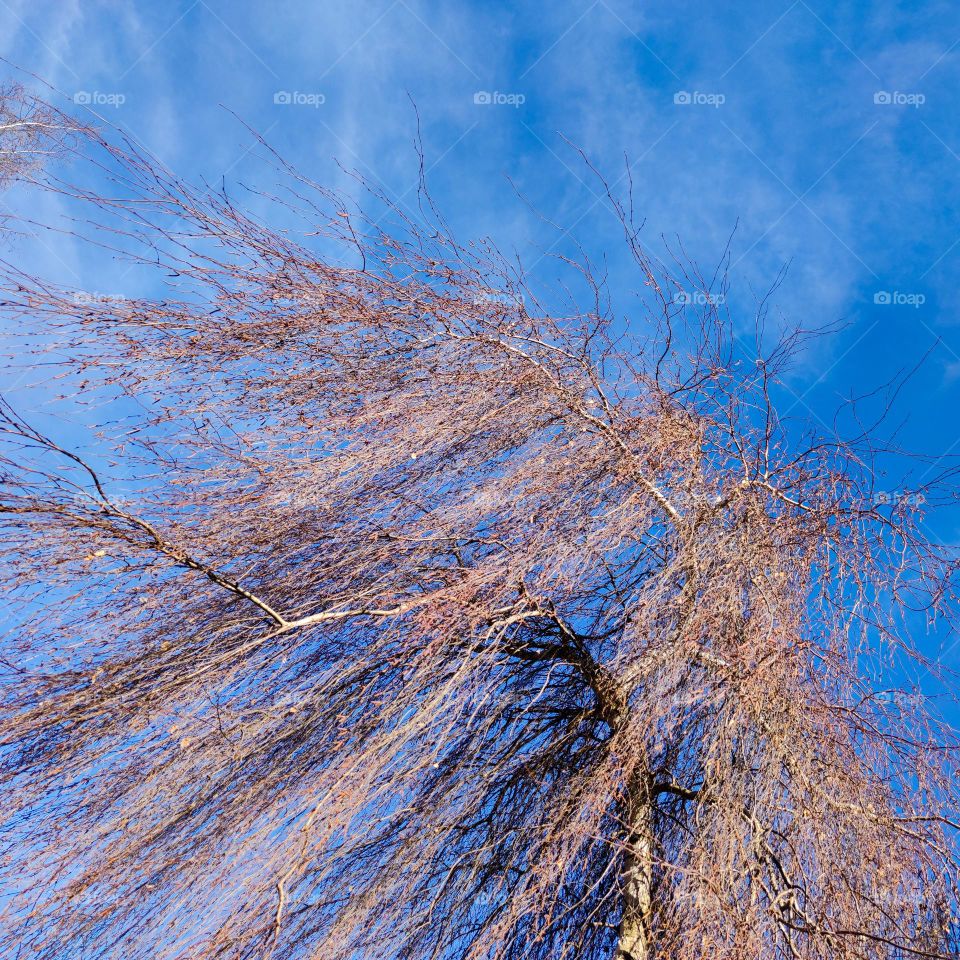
{"x":450,"y":618}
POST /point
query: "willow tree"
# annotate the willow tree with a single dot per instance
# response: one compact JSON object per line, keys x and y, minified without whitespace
{"x":397,"y":609}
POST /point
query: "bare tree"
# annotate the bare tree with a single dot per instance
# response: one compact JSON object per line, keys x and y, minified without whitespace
{"x":404,"y":610}
{"x":31,"y":132}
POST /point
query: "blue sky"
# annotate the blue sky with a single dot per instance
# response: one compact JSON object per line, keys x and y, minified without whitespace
{"x":827,"y":134}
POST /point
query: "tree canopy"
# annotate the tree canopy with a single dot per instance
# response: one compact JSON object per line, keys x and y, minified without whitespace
{"x":404,"y":610}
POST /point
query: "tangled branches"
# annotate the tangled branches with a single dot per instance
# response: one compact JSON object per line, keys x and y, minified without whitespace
{"x":399,"y":613}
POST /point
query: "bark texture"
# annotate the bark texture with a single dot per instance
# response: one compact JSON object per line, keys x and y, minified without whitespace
{"x":634,"y":934}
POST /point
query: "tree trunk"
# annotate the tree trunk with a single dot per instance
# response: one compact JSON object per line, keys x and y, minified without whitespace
{"x":633,"y":938}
